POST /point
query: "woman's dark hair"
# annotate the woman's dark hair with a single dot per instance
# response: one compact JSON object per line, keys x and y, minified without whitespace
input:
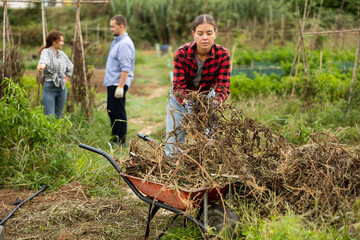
{"x":203,"y":18}
{"x":52,"y":36}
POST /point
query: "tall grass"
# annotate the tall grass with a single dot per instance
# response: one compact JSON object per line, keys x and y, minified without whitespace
{"x":31,"y":150}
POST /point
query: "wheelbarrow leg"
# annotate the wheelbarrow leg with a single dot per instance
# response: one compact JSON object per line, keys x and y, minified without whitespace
{"x":168,"y":225}
{"x":152,"y":211}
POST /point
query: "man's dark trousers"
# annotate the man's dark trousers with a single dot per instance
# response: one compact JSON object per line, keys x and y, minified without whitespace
{"x":117,"y":114}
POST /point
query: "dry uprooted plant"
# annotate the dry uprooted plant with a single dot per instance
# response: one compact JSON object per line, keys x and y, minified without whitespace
{"x":223,"y":145}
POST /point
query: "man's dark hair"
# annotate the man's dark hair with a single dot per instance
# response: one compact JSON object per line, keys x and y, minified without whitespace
{"x":203,"y":18}
{"x":120,"y":19}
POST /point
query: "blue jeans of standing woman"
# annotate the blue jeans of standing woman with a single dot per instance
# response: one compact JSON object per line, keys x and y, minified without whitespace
{"x":53,"y":99}
{"x":175,"y":115}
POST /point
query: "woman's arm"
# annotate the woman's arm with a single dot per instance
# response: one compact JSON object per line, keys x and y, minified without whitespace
{"x":222,"y":88}
{"x":69,"y":67}
{"x":179,"y":80}
{"x":43,"y":61}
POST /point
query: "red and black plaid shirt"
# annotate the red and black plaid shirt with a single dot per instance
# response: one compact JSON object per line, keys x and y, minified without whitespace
{"x":215,"y":71}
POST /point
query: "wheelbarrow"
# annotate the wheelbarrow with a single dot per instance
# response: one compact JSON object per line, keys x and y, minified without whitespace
{"x":158,"y":196}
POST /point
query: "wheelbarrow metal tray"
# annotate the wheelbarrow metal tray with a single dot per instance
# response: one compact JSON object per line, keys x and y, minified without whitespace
{"x":178,"y":198}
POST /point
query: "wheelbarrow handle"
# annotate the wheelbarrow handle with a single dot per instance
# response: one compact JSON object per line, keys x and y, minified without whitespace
{"x":146,"y":138}
{"x":107,"y":156}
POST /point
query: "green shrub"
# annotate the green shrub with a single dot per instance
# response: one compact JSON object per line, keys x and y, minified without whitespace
{"x":30,"y":152}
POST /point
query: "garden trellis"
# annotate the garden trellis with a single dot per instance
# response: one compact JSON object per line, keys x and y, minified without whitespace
{"x":80,"y":86}
{"x":302,"y":49}
{"x":12,"y":66}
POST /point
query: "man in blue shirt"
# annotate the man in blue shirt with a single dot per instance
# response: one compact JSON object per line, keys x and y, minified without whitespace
{"x":119,"y":73}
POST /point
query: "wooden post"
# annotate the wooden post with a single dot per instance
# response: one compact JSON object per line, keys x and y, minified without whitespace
{"x":38,"y":74}
{"x":356,"y":65}
{"x":321,"y":54}
{"x":271,"y":27}
{"x":73,"y":84}
{"x":282,"y":30}
{"x":254,"y":32}
{"x":86,"y":32}
{"x":302,"y":42}
{"x":97,"y":33}
{"x":105,"y":34}
{"x":296,"y":73}
{"x":265,"y":32}
{"x":78,"y":27}
{"x":43,"y":21}
{"x":9,"y":41}
{"x":292,"y":68}
{"x":4,"y":39}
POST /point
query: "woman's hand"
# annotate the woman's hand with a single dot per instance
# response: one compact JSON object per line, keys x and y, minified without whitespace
{"x":41,"y":67}
{"x":66,"y":79}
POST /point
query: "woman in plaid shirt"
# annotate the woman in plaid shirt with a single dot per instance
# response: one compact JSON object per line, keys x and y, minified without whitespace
{"x":200,"y":65}
{"x":56,"y":70}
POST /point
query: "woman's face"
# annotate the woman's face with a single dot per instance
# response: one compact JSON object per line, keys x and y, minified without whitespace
{"x":204,"y":36}
{"x":58,"y":44}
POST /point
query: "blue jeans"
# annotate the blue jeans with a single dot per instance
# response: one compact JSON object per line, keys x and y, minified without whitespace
{"x":53,"y":99}
{"x":175,"y":114}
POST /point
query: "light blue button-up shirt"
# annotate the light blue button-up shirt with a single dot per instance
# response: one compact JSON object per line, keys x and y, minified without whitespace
{"x":121,"y":58}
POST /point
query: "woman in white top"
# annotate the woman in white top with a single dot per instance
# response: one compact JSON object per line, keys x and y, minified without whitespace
{"x":56,"y":69}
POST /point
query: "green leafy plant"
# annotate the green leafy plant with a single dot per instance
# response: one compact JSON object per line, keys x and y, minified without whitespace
{"x":30,"y":152}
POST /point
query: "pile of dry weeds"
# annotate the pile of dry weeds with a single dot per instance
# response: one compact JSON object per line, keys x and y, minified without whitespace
{"x":223,"y":145}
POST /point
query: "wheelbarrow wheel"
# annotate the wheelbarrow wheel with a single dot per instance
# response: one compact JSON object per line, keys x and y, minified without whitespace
{"x":227,"y":229}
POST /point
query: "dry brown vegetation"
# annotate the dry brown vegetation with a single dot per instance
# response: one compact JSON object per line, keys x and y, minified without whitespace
{"x":223,"y":145}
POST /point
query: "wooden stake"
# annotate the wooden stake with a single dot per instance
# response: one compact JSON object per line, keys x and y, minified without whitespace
{"x":44,"y":28}
{"x":4,"y":39}
{"x":97,"y":34}
{"x":271,"y":27}
{"x":282,"y":30}
{"x":43,"y":22}
{"x":296,"y":73}
{"x":302,"y":42}
{"x":78,"y":26}
{"x":356,"y":66}
{"x":73,"y":85}
{"x":292,"y":68}
{"x":321,"y":54}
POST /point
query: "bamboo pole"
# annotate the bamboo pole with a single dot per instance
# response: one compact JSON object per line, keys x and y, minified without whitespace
{"x":43,"y":21}
{"x":356,"y":65}
{"x":86,"y":32}
{"x":300,"y":47}
{"x":265,"y":32}
{"x":302,"y":42}
{"x":282,"y":29}
{"x":38,"y":74}
{"x":4,"y":39}
{"x":317,"y":23}
{"x":97,"y":33}
{"x":271,"y":27}
{"x":73,"y":85}
{"x":292,"y":68}
{"x":296,"y":73}
{"x":9,"y":41}
{"x":330,"y":32}
{"x":78,"y":26}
